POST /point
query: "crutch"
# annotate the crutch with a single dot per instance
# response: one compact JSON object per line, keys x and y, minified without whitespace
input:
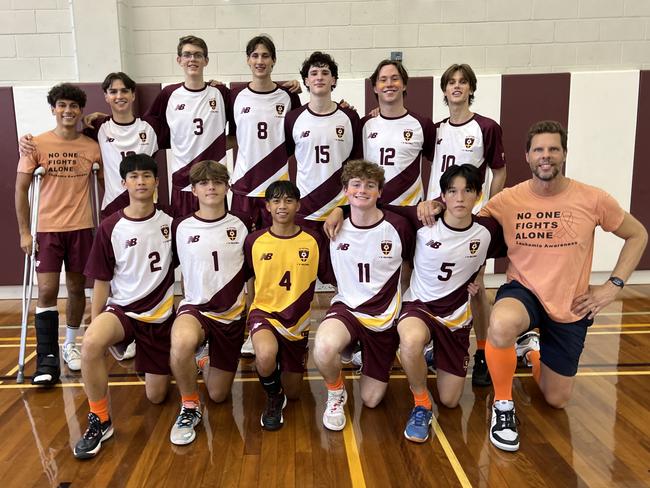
{"x":29,"y":268}
{"x":96,"y":193}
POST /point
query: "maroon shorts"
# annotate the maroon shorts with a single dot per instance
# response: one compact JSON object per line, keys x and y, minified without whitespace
{"x":153,"y":341}
{"x":377,"y":348}
{"x":255,"y":207}
{"x":450,"y":347}
{"x":225,"y":339}
{"x":122,"y":201}
{"x":55,"y":248}
{"x":292,"y":355}
{"x":183,"y":202}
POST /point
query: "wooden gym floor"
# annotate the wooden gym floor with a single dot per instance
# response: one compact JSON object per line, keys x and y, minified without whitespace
{"x":601,"y":439}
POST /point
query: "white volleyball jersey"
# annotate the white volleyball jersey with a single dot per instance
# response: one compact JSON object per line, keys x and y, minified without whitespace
{"x":259,"y":128}
{"x":118,"y":140}
{"x":446,"y":261}
{"x":322,"y":144}
{"x":196,"y":126}
{"x":211,"y":255}
{"x":397,"y":144}
{"x":135,"y":255}
{"x":367,"y":263}
{"x":477,"y":142}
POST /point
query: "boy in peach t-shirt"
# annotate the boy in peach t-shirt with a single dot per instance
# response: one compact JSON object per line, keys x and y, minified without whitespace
{"x":548,"y":225}
{"x":64,"y":226}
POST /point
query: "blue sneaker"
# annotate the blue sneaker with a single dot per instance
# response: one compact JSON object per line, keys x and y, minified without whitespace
{"x":417,"y":427}
{"x":429,"y":357}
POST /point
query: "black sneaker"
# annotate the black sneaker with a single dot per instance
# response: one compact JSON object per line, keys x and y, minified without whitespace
{"x":272,"y":416}
{"x":91,"y":442}
{"x":480,"y":371}
{"x":503,"y":429}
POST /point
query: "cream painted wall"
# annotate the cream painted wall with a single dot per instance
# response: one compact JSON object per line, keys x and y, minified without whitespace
{"x":44,"y":41}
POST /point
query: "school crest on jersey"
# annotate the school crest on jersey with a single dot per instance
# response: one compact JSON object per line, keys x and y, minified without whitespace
{"x":279,"y":108}
{"x":469,"y":141}
{"x":340,"y":131}
{"x":408,"y":135}
{"x":213,"y":104}
{"x":474,"y":244}
{"x":303,"y":254}
{"x":164,"y":230}
{"x":386,"y":247}
{"x":143,"y":136}
{"x":231,"y":232}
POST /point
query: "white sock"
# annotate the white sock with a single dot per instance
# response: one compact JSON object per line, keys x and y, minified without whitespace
{"x":71,"y":334}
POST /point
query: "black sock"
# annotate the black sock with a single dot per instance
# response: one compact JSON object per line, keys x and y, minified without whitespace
{"x":272,"y":384}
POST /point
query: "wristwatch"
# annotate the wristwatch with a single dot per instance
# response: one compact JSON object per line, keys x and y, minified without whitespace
{"x":617,"y":281}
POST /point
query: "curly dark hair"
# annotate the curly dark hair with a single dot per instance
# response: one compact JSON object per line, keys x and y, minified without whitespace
{"x":66,"y":91}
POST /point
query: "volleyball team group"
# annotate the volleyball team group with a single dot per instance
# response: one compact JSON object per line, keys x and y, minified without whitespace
{"x":251,"y":244}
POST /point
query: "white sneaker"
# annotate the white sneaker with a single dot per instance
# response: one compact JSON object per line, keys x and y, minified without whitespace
{"x":202,"y":356}
{"x":334,"y":414}
{"x":183,"y":432}
{"x":129,"y":353}
{"x":72,"y":356}
{"x":503,"y":428}
{"x":121,"y":352}
{"x":247,"y":347}
{"x":526,"y":342}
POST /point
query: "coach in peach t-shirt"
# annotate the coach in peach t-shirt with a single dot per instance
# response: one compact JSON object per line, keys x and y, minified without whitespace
{"x":548,"y":224}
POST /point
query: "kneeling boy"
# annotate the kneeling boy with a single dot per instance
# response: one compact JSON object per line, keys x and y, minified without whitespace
{"x":285,"y":259}
{"x":133,"y":268}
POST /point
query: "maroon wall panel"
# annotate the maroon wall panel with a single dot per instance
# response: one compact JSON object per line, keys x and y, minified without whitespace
{"x":640,"y":204}
{"x":526,"y":99}
{"x":11,"y":271}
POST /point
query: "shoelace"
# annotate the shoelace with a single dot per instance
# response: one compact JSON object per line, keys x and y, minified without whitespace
{"x":187,"y":416}
{"x":336,"y":405}
{"x":94,"y":428}
{"x":275,"y":404}
{"x":419,"y":419}
{"x":506,"y":420}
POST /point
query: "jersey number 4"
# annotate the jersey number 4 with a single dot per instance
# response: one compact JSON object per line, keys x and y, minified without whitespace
{"x":285,"y":281}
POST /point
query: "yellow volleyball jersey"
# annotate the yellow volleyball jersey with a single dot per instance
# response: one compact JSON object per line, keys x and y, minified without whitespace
{"x":285,"y":270}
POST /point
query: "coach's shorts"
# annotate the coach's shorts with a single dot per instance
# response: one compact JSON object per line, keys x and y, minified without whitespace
{"x":292,"y":355}
{"x":153,"y":341}
{"x":225,"y":340}
{"x":55,"y":248}
{"x":561,"y":344}
{"x":377,"y":348}
{"x":254,"y":207}
{"x":183,"y":202}
{"x":451,"y":347}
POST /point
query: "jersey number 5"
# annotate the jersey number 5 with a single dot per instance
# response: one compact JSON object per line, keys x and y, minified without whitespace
{"x":446,"y":269}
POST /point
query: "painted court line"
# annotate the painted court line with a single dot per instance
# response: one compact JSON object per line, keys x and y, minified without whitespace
{"x":352,"y":454}
{"x":451,"y":456}
{"x":317,"y":378}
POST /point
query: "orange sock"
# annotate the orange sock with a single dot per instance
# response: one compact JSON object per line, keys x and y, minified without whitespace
{"x":502,"y":364}
{"x":480,"y":345}
{"x":191,"y":401}
{"x":533,"y":358}
{"x":337,"y":385}
{"x":422,"y":400}
{"x":100,"y":408}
